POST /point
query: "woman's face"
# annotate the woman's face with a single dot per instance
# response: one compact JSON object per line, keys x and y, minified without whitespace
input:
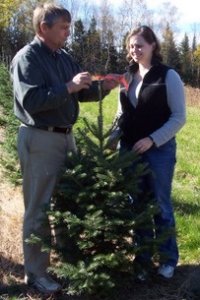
{"x":139,"y":50}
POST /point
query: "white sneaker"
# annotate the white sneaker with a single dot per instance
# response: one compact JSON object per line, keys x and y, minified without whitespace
{"x":45,"y":285}
{"x":166,"y":271}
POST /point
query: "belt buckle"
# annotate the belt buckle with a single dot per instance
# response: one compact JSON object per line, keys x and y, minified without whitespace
{"x":50,"y":128}
{"x":68,"y":130}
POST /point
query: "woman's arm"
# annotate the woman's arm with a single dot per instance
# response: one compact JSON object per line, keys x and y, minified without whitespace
{"x":176,"y":102}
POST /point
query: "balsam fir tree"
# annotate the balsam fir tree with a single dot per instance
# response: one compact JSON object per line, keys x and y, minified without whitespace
{"x":95,"y":215}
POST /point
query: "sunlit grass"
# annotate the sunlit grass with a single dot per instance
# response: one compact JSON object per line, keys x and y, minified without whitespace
{"x":90,"y":110}
{"x":186,"y":188}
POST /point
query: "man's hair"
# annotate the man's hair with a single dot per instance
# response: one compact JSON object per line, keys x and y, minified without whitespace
{"x":49,"y":13}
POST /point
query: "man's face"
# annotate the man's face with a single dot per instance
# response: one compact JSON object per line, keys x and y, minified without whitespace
{"x":56,"y":36}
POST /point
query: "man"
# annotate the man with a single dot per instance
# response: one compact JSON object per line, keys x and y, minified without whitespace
{"x":47,"y":85}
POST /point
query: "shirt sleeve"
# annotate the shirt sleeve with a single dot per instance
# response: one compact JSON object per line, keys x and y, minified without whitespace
{"x":176,"y":102}
{"x":116,"y":131}
{"x":92,"y":94}
{"x":30,"y":86}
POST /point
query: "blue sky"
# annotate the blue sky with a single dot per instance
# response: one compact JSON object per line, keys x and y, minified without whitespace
{"x":188,"y":12}
{"x":189,"y":15}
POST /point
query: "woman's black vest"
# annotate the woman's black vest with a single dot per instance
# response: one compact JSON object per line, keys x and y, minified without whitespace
{"x":152,"y":110}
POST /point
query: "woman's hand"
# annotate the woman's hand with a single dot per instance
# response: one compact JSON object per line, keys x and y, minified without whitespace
{"x":111,"y":81}
{"x":143,"y":145}
{"x":109,"y":84}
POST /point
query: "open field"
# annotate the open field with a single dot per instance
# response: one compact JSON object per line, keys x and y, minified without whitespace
{"x":186,"y":195}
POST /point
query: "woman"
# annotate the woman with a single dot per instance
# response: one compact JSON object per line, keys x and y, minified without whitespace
{"x":150,"y":113}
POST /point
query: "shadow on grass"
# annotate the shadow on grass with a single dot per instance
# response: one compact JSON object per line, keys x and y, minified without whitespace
{"x":11,"y":272}
{"x":12,"y":286}
{"x":186,"y":208}
{"x":7,"y":265}
{"x":190,"y":288}
{"x":184,"y":285}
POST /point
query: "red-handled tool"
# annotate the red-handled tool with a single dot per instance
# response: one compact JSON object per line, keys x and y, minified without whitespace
{"x":119,"y":78}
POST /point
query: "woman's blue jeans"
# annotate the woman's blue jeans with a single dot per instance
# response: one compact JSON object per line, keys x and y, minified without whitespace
{"x":161,"y":161}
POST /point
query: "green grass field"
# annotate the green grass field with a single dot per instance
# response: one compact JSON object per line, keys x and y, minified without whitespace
{"x":186,"y":184}
{"x":186,"y":196}
{"x":186,"y":188}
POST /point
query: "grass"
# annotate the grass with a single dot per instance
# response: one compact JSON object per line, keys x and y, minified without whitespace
{"x":186,"y":188}
{"x":186,"y":196}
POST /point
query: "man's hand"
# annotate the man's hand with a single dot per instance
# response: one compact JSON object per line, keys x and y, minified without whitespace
{"x":143,"y":145}
{"x":80,"y":81}
{"x":109,"y":84}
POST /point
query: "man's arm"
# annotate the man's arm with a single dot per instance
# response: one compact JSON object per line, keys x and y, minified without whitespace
{"x":30,"y":88}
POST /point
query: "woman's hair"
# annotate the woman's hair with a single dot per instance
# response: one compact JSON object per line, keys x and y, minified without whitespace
{"x":49,"y":13}
{"x":149,"y":36}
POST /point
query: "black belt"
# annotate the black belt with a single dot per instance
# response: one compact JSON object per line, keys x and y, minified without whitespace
{"x":66,"y":130}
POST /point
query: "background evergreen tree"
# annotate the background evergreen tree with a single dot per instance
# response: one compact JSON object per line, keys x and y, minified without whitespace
{"x":169,"y":50}
{"x":78,"y":46}
{"x":185,"y":59}
{"x":194,"y":43}
{"x":194,"y":68}
{"x":122,"y":52}
{"x":10,"y":125}
{"x":93,"y":53}
{"x":109,"y":55}
{"x":197,"y":66}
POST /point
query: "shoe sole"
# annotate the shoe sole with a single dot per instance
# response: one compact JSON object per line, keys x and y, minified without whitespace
{"x":164,"y":277}
{"x":43,"y":291}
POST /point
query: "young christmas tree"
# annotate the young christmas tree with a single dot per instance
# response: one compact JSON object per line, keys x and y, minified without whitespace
{"x":95,"y":215}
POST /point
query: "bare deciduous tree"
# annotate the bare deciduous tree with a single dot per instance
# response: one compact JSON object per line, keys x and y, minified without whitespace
{"x":167,"y":13}
{"x":130,"y":14}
